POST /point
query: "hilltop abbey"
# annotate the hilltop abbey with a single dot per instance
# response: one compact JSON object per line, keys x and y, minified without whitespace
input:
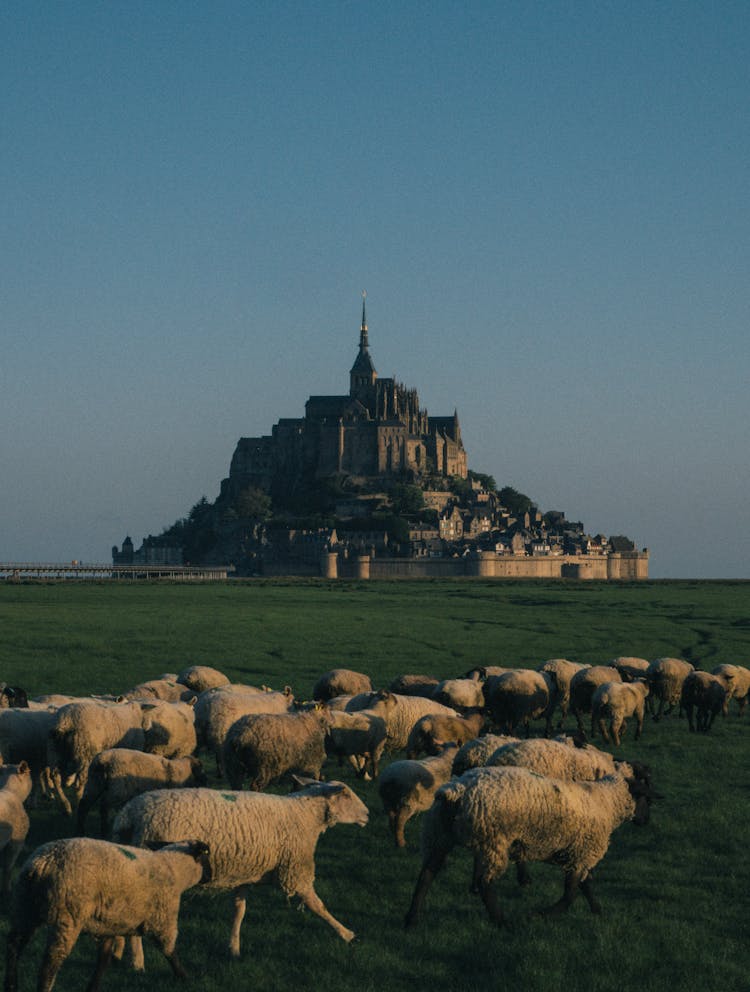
{"x":377,"y":429}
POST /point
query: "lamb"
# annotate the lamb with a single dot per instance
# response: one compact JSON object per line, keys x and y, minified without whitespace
{"x":15,"y":788}
{"x":413,"y":685}
{"x":267,"y":746}
{"x":198,"y":678}
{"x":616,"y":702}
{"x":562,"y":671}
{"x":584,"y":684}
{"x":217,"y":709}
{"x":340,"y":682}
{"x":665,"y":676}
{"x":708,"y":694}
{"x":408,"y":787}
{"x":737,"y":680}
{"x":118,"y":774}
{"x":476,"y":753}
{"x":516,"y":697}
{"x":360,"y":736}
{"x":512,"y":814}
{"x":460,"y":694}
{"x":255,"y":837}
{"x":430,"y":732}
{"x":92,"y":886}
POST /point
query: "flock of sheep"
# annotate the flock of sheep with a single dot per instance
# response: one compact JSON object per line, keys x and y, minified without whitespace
{"x":506,"y":798}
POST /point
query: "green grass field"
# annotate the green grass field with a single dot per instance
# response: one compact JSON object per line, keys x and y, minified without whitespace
{"x":674,"y":893}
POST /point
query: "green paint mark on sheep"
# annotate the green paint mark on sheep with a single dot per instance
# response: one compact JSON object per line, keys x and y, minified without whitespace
{"x":128,"y":854}
{"x":229,"y":797}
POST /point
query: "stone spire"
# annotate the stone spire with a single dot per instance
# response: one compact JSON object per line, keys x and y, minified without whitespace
{"x":362,"y":375}
{"x":363,"y":329}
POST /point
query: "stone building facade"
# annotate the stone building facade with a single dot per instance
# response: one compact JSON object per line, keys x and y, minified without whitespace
{"x":378,"y":429}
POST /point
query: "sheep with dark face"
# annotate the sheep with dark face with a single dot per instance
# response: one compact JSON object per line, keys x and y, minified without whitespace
{"x":81,"y":885}
{"x":583,"y":685}
{"x":512,"y":814}
{"x":616,"y":702}
{"x":708,"y":695}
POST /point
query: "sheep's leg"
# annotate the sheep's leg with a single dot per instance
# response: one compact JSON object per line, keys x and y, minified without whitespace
{"x":57,"y":788}
{"x":59,"y":945}
{"x":166,"y":942}
{"x":240,"y":905}
{"x":603,"y":729}
{"x":430,"y":868}
{"x":137,"y":962}
{"x":106,"y":949}
{"x":570,"y":891}
{"x":402,"y":817}
{"x":312,"y":900}
{"x":522,"y":873}
{"x":639,"y":727}
{"x":17,"y":940}
{"x":489,"y":898}
{"x":9,"y":857}
{"x":585,"y":886}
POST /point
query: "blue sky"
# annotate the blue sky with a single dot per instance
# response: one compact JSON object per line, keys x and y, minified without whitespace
{"x":548,"y":204}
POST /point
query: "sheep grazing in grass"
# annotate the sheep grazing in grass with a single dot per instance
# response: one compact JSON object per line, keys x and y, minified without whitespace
{"x":737,"y":680}
{"x":198,"y":678}
{"x":431,"y":732}
{"x":266,"y":746}
{"x":616,"y":702}
{"x":360,"y":736}
{"x":413,"y":685}
{"x":517,"y":697}
{"x":255,"y":837}
{"x":665,"y":676}
{"x":23,"y":737}
{"x":556,"y":759}
{"x":476,"y":753}
{"x":707,"y":695}
{"x":81,"y":885}
{"x":167,"y":690}
{"x":340,"y":682}
{"x":630,"y":669}
{"x":460,"y":694}
{"x":408,"y":787}
{"x":512,"y":814}
{"x":562,"y":671}
{"x":15,"y":788}
{"x":583,"y":685}
{"x":118,"y":774}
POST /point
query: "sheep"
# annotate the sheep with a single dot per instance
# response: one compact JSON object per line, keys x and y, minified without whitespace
{"x":516,"y":697}
{"x":562,"y":671}
{"x":430,"y":732}
{"x":169,"y":728}
{"x":708,"y":694}
{"x":460,"y":694}
{"x":15,"y":788}
{"x":408,"y":787}
{"x":165,"y":689}
{"x":737,"y":681}
{"x":360,"y":736}
{"x":665,"y":676}
{"x":118,"y":774}
{"x":482,"y":672}
{"x":217,"y":709}
{"x":23,"y":737}
{"x":401,"y":719}
{"x":513,"y":814}
{"x":266,"y":746}
{"x":556,"y":759}
{"x":198,"y":678}
{"x":616,"y":701}
{"x":340,"y":682}
{"x":413,"y":685}
{"x":93,"y":886}
{"x":13,"y":696}
{"x":255,"y":837}
{"x":474,"y":754}
{"x":630,"y":669}
{"x":583,"y":685}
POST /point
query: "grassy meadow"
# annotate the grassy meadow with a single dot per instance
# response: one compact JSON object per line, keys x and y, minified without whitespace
{"x":674,"y":893}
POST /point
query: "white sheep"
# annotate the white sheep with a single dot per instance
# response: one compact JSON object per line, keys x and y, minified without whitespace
{"x":476,"y":753}
{"x":556,"y":759}
{"x":737,"y":680}
{"x":267,"y":746}
{"x":460,"y":694}
{"x":666,"y":676}
{"x":118,"y":774}
{"x":512,"y":814}
{"x":198,"y":678}
{"x":629,"y":668}
{"x":340,"y":682}
{"x":430,"y":732}
{"x":517,"y":697}
{"x":81,"y":885}
{"x":169,"y":728}
{"x":413,"y":685}
{"x":15,"y":788}
{"x":166,"y":689}
{"x":360,"y":736}
{"x":562,"y":671}
{"x":255,"y":836}
{"x":616,"y":702}
{"x":584,"y":684}
{"x":408,"y":787}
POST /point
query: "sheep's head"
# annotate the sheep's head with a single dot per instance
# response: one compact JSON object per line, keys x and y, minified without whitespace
{"x":642,"y":792}
{"x":342,"y":805}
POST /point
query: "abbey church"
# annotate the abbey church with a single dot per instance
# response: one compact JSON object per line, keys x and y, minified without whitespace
{"x":377,"y":429}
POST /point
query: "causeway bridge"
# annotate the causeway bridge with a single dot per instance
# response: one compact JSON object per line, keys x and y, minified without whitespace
{"x":46,"y":571}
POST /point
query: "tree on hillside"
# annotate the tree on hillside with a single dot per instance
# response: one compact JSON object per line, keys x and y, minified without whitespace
{"x":517,"y":503}
{"x":252,"y":503}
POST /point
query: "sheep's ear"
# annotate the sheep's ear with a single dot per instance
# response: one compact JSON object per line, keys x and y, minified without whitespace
{"x":155,"y":845}
{"x":147,"y":706}
{"x":199,"y":849}
{"x":288,"y":690}
{"x":300,"y":782}
{"x":23,"y":767}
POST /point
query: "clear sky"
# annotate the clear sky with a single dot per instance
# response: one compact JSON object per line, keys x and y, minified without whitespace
{"x":548,"y":204}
